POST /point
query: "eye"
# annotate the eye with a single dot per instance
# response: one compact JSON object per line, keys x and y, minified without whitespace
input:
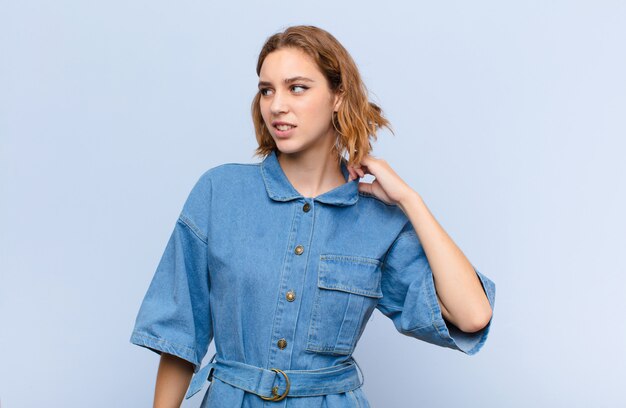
{"x":263,"y":91}
{"x":300,"y":86}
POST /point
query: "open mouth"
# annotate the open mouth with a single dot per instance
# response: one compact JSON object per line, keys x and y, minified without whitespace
{"x":284,"y":128}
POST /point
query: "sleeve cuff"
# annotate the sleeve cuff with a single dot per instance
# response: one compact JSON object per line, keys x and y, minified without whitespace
{"x":159,"y":345}
{"x":468,"y":343}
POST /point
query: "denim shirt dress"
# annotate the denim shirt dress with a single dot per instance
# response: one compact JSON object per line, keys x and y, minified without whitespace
{"x":283,"y":281}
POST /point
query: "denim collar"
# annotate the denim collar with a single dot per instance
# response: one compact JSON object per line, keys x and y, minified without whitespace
{"x":279,"y":187}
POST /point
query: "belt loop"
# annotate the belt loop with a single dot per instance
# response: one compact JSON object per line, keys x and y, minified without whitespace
{"x":361,"y":372}
{"x":199,"y":378}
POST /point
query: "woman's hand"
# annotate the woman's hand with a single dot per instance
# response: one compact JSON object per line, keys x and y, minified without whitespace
{"x":387,"y":186}
{"x":460,"y":294}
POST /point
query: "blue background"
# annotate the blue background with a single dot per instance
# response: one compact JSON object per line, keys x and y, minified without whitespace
{"x":510,"y":120}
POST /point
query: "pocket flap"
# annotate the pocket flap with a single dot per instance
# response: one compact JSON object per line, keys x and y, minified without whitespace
{"x":348,"y":273}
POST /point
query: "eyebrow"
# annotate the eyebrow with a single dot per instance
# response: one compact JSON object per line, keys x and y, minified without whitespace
{"x":288,"y":80}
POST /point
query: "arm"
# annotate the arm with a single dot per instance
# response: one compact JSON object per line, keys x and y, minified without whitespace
{"x":172,"y":381}
{"x":174,"y":319}
{"x":452,"y":285}
{"x":460,"y":294}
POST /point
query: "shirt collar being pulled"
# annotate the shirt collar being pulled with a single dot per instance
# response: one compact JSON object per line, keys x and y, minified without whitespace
{"x":279,"y":187}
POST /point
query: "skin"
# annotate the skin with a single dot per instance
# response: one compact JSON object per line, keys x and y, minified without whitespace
{"x":173,"y":378}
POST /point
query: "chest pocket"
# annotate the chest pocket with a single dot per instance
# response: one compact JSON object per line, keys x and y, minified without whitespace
{"x":348,"y":289}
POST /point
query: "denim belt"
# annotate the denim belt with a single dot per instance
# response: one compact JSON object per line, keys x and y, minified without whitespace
{"x":275,"y":384}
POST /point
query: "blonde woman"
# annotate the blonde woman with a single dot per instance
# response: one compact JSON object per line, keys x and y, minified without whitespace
{"x":282,"y":262}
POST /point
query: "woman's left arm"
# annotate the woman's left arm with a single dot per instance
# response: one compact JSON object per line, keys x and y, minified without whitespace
{"x":460,"y":294}
{"x":459,"y":291}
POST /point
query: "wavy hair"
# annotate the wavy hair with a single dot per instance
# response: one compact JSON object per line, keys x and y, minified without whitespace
{"x":357,"y":119}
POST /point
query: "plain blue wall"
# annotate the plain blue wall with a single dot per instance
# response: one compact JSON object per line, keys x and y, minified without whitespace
{"x":509,"y":120}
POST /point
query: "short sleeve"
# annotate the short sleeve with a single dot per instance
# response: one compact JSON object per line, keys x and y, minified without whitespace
{"x":174,"y":316}
{"x":410,"y":300}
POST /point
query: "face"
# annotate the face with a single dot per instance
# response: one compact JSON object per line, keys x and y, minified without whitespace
{"x":306,"y":102}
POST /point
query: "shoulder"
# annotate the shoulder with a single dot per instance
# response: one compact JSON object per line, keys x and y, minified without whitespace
{"x":220,"y":174}
{"x":228,"y":171}
{"x":373,"y":200}
{"x":383,"y":216}
{"x":373,"y":203}
{"x":215,"y":181}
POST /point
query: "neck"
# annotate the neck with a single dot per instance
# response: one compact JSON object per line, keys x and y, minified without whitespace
{"x":312,"y":175}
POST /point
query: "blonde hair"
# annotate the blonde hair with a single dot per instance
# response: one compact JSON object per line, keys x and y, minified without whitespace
{"x":356,"y":120}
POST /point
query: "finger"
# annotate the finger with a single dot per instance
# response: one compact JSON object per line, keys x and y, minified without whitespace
{"x":353,"y":174}
{"x":369,"y":160}
{"x":365,"y":187}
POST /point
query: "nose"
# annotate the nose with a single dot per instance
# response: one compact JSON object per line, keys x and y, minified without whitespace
{"x":279,"y":103}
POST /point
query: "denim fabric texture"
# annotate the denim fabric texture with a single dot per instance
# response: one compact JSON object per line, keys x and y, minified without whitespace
{"x":283,"y":281}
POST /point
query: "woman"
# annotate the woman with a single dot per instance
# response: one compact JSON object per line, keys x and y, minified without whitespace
{"x":282,"y":262}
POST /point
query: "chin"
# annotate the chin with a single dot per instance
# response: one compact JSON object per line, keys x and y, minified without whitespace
{"x":287,"y":146}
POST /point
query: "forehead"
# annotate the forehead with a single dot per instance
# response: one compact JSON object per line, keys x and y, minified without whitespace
{"x":288,"y":62}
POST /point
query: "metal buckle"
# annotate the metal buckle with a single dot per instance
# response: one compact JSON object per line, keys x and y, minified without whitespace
{"x":275,"y":396}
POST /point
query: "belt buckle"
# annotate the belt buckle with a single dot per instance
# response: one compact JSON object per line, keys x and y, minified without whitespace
{"x":275,"y":396}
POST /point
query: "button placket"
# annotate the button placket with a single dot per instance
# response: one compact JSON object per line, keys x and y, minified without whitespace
{"x":292,"y":281}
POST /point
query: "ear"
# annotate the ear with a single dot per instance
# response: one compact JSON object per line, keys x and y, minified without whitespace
{"x":338,"y":101}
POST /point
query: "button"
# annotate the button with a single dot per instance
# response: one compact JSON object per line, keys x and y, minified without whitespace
{"x":282,"y":343}
{"x":291,"y":296}
{"x":299,"y":250}
{"x":306,"y":207}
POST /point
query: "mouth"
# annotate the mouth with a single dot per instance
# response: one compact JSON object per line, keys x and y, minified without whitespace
{"x":282,"y":126}
{"x":284,"y":130}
